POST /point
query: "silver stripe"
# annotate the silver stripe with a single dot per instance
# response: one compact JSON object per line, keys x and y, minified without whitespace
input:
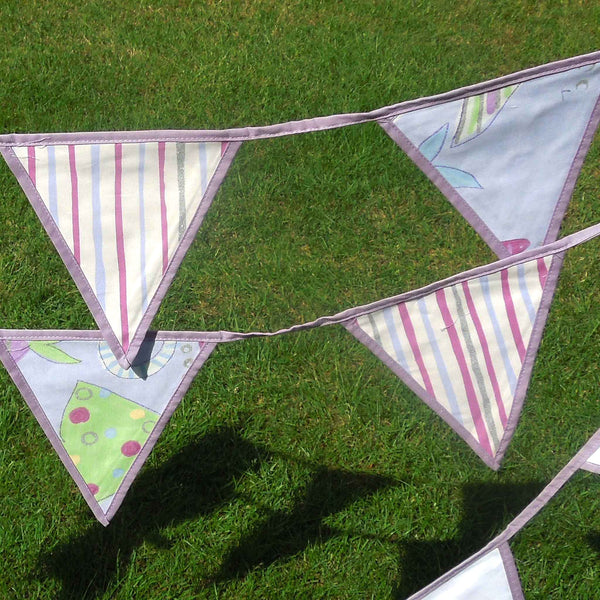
{"x":180,"y":149}
{"x":485,"y":400}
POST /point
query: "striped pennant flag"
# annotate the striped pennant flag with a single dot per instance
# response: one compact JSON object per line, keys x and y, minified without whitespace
{"x":468,"y":349}
{"x":101,"y":419}
{"x":508,"y":156}
{"x":122,"y":216}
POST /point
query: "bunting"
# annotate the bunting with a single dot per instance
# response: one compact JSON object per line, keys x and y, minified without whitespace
{"x":468,"y":349}
{"x":122,"y":209}
{"x":101,"y":419}
{"x":508,"y":157}
{"x":492,"y":576}
{"x":491,"y":573}
{"x":122,"y":216}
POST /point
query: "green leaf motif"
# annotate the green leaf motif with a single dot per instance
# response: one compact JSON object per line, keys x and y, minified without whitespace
{"x":49,"y":351}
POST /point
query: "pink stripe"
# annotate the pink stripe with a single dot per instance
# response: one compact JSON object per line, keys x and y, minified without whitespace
{"x":74,"y":204}
{"x":542,"y":271}
{"x":414,"y":346}
{"x":121,"y":247}
{"x":224,"y":147}
{"x":464,"y":371}
{"x":163,"y":205}
{"x":512,"y":315}
{"x":31,"y":162}
{"x":486,"y":352}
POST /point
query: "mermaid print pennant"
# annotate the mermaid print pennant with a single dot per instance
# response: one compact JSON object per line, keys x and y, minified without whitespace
{"x":122,"y":216}
{"x":102,"y":420}
{"x":467,"y":349}
{"x":507,"y":157}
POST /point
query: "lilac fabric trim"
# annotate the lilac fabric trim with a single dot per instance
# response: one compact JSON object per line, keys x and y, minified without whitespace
{"x":451,"y":194}
{"x":179,"y":255}
{"x":591,"y":467}
{"x":522,"y":382}
{"x":345,"y":317}
{"x":65,"y":253}
{"x":465,"y":209}
{"x":534,"y":507}
{"x":532,"y":350}
{"x":125,"y":359}
{"x":511,"y":571}
{"x":501,"y":541}
{"x":509,"y":567}
{"x":378,"y":351}
{"x":296,"y":127}
{"x":567,"y":191}
{"x":32,"y":402}
{"x":205,"y":352}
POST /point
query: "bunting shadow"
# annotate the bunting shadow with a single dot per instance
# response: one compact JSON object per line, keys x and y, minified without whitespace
{"x":286,"y":533}
{"x":486,"y":509}
{"x":195,"y":482}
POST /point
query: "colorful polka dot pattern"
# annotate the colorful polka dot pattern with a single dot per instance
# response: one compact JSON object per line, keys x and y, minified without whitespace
{"x":103,"y":433}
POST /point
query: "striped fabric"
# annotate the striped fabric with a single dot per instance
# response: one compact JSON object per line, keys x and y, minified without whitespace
{"x":464,"y":345}
{"x":123,"y":210}
{"x":478,"y":112}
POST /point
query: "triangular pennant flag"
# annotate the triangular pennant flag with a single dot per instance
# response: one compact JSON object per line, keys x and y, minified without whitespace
{"x":490,"y":576}
{"x":491,"y":573}
{"x":122,"y":216}
{"x":507,"y":157}
{"x":468,"y":349}
{"x":593,"y":462}
{"x":102,"y":420}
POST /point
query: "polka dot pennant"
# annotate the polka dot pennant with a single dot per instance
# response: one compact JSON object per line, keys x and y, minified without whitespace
{"x":104,"y":433}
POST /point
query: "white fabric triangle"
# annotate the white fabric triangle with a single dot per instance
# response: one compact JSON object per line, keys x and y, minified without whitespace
{"x":485,"y":578}
{"x":122,"y":216}
{"x":468,"y":349}
{"x":593,"y":462}
{"x":102,"y":420}
{"x":508,"y":158}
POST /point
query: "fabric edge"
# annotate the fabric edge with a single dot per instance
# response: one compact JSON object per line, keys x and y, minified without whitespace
{"x":165,"y":417}
{"x":573,"y":175}
{"x":181,"y":251}
{"x":591,"y":467}
{"x":533,"y":347}
{"x":457,"y":201}
{"x":422,"y":394}
{"x":302,"y":125}
{"x":35,"y":407}
{"x":65,"y":254}
{"x":510,"y":568}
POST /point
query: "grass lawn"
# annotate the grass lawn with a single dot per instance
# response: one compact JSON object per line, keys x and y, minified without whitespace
{"x":298,"y":466}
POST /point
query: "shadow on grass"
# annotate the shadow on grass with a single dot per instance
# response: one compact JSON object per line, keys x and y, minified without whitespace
{"x":487,"y":507}
{"x":197,"y":480}
{"x":593,"y":540}
{"x":286,"y":533}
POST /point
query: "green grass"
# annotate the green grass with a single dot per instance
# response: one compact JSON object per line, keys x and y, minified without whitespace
{"x":296,"y":467}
